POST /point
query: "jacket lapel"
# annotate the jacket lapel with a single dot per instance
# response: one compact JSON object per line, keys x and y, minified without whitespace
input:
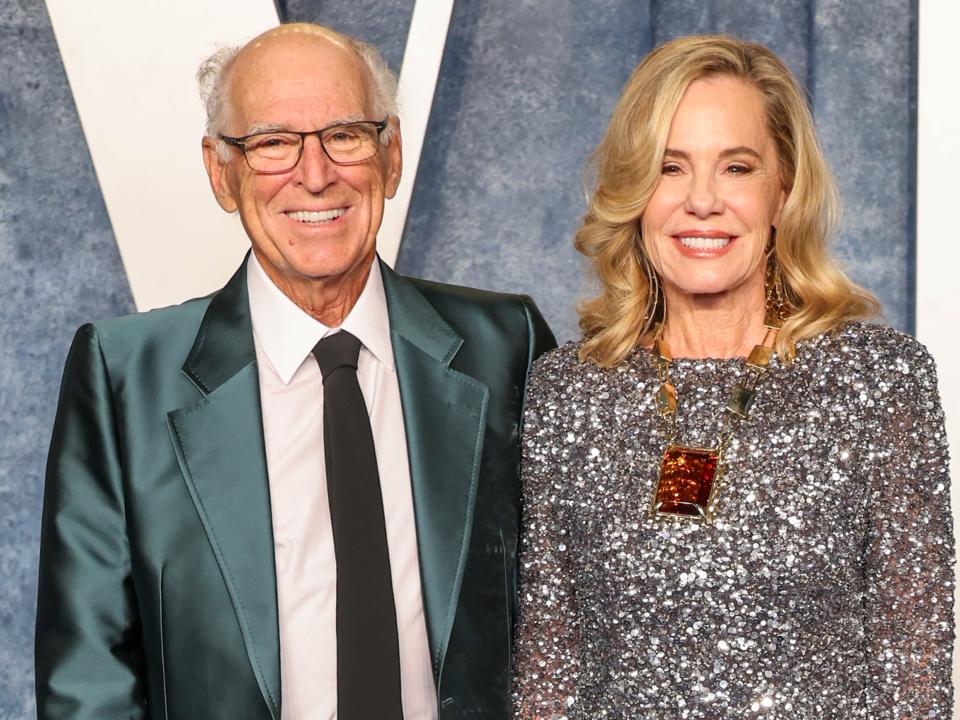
{"x":444,"y":414}
{"x":219,"y":445}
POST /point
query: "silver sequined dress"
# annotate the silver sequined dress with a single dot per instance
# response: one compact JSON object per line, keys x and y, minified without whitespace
{"x":824,"y":590}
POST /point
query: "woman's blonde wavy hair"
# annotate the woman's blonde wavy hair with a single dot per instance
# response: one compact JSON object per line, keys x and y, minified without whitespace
{"x":625,"y":170}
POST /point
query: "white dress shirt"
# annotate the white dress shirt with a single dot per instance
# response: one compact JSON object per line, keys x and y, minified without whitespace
{"x":291,"y":394}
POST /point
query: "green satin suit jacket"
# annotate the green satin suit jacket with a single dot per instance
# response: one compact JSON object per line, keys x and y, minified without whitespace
{"x":157,"y":592}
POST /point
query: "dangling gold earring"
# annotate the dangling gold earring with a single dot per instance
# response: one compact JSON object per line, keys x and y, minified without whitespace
{"x":653,"y":313}
{"x":777,"y":305}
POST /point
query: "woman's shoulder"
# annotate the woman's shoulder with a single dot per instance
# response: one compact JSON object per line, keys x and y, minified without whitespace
{"x":562,"y":359}
{"x":874,"y":339}
{"x":872,"y":335}
{"x":562,"y":371}
{"x":563,"y":364}
{"x":879,"y":352}
{"x":555,"y":367}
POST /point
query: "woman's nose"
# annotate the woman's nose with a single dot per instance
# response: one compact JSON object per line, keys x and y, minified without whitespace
{"x":703,"y":198}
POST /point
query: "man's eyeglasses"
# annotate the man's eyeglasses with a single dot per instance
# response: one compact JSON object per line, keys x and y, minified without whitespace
{"x":279,"y":151}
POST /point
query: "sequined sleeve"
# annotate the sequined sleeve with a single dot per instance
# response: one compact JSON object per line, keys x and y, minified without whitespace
{"x":545,"y":663}
{"x":909,"y":552}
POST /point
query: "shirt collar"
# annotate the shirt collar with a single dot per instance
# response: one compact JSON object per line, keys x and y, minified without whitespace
{"x":286,"y":334}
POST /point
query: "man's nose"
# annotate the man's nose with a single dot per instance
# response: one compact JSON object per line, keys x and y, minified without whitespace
{"x":315,"y":169}
{"x":703,"y":198}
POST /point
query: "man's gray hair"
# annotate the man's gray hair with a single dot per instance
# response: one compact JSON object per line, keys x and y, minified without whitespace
{"x":213,"y":78}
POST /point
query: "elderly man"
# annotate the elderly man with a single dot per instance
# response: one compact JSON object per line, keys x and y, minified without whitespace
{"x":296,"y":498}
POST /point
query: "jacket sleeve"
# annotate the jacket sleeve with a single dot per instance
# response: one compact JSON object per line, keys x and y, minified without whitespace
{"x":88,"y":652}
{"x":909,"y":551}
{"x":540,"y":335}
{"x":540,"y":339}
{"x":546,"y":663}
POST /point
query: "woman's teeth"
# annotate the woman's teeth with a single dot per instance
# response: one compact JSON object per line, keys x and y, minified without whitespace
{"x":308,"y":216}
{"x":704,"y":243}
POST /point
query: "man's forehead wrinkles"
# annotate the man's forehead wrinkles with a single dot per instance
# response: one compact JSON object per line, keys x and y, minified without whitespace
{"x":303,"y":86}
{"x":261,"y":127}
{"x":300,"y":101}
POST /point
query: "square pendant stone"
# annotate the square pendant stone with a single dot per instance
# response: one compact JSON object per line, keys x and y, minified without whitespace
{"x":686,"y":479}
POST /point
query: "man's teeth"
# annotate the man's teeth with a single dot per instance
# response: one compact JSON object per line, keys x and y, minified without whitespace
{"x":704,"y":243}
{"x":315,"y":217}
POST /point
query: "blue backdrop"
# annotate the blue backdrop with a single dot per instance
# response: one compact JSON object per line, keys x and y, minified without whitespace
{"x":524,"y":93}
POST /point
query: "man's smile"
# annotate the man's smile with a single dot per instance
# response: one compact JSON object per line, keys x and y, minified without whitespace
{"x":315,"y":216}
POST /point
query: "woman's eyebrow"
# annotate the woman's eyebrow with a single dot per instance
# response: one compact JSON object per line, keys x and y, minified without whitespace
{"x":738,"y":150}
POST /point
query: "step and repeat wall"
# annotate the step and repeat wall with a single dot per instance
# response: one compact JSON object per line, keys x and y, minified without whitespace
{"x":105,"y":209}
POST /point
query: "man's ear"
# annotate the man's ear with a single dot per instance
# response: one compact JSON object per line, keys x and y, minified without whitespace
{"x":217,"y":172}
{"x":394,"y":159}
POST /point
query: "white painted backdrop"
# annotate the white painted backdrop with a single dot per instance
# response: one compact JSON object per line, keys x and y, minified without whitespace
{"x":938,"y":229}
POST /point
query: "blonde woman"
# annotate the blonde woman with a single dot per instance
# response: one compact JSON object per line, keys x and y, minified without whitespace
{"x":736,"y":495}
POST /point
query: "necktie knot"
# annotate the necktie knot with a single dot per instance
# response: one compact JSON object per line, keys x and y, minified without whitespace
{"x":336,"y":351}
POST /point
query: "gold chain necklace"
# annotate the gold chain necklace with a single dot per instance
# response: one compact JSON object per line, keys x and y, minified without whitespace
{"x":690,"y":476}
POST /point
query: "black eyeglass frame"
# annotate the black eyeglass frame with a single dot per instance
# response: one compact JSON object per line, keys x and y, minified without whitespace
{"x":240,"y":142}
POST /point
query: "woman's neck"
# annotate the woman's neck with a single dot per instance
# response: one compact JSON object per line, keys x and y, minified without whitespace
{"x":722,"y":325}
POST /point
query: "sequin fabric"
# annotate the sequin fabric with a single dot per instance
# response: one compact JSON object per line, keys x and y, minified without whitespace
{"x":824,"y":590}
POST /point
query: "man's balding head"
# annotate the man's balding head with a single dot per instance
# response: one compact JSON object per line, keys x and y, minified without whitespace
{"x":216,"y":73}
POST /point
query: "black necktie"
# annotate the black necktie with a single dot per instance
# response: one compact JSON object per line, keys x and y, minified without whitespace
{"x":368,"y":656}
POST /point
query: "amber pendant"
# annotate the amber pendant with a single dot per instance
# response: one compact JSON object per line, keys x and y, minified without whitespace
{"x":686,"y":484}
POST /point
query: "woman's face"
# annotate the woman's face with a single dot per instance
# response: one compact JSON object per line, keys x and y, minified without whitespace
{"x":708,"y":221}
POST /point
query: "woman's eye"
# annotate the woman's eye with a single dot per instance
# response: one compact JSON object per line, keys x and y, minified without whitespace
{"x":739,"y":169}
{"x":669,"y":169}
